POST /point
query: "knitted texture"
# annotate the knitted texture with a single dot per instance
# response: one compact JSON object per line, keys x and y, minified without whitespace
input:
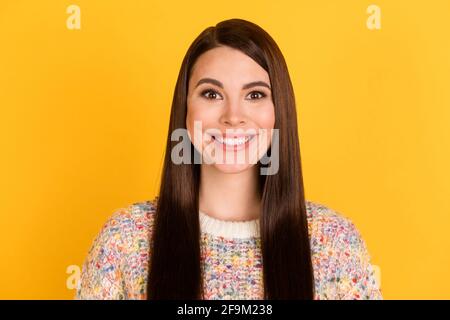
{"x":116,"y":266}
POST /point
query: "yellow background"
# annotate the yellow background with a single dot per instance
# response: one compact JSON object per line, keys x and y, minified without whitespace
{"x":84,"y":117}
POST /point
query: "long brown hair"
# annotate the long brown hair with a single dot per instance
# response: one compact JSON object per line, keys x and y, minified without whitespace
{"x":175,"y":266}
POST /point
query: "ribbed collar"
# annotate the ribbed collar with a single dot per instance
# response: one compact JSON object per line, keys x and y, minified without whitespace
{"x":228,"y":228}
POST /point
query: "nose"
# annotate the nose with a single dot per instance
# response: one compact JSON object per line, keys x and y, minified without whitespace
{"x":233,"y":116}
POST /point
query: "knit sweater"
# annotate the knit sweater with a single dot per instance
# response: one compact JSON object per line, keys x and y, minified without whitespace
{"x":116,"y":266}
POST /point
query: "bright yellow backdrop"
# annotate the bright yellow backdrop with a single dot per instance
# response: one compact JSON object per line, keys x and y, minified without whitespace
{"x":84,"y":116}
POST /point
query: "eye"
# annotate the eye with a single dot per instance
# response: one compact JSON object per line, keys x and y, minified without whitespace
{"x":210,"y":94}
{"x":256,"y":95}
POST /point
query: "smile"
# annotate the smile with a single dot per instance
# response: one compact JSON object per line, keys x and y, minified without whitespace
{"x":233,"y":141}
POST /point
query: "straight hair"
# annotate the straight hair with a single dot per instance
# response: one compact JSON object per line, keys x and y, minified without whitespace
{"x":174,"y":257}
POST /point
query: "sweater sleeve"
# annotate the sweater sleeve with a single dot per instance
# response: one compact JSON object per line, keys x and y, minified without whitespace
{"x":101,"y":276}
{"x":355,"y":275}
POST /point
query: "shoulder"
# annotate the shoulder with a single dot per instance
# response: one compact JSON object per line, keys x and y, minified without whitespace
{"x":119,"y":249}
{"x":136,"y":217}
{"x":331,"y":231}
{"x":326,"y":224}
{"x":341,"y":261}
{"x":133,"y":225}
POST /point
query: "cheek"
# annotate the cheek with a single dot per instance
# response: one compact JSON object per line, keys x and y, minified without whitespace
{"x":199,"y":116}
{"x":192,"y":126}
{"x":199,"y":110}
{"x":193,"y":114}
{"x":190,"y":120}
{"x":265,"y":116}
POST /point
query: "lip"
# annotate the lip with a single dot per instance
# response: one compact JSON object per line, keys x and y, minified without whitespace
{"x":233,"y":136}
{"x":236,"y":147}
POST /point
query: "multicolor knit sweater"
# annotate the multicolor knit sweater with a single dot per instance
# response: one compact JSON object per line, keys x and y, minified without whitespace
{"x":116,"y":266}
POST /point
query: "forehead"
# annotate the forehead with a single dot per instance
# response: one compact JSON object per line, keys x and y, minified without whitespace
{"x":228,"y":65}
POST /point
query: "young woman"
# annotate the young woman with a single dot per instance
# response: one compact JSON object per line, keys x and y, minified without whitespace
{"x":229,"y":229}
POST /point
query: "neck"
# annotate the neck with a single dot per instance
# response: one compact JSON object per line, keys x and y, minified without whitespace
{"x":229,"y":196}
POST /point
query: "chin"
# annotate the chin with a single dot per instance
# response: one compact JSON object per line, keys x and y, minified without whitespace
{"x":232,"y":168}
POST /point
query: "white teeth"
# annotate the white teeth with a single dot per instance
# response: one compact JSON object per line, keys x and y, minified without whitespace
{"x":233,"y":141}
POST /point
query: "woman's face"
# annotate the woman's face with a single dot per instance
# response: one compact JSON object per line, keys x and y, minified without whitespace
{"x":230,"y":113}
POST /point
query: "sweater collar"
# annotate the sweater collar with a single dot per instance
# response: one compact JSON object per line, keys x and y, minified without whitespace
{"x":228,"y":228}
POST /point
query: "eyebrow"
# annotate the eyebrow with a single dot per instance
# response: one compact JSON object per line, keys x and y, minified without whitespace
{"x":220,"y":84}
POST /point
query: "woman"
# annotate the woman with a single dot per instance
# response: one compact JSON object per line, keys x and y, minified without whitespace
{"x":230,"y":229}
